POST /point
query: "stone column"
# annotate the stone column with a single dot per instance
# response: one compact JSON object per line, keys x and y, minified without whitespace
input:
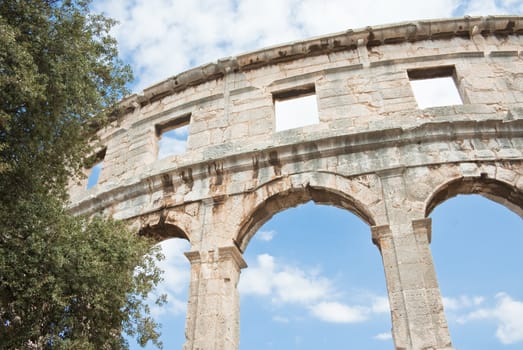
{"x":382,"y":238}
{"x":418,"y":319}
{"x":213,"y":312}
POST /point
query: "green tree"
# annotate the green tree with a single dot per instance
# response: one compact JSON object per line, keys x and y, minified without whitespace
{"x":65,"y":282}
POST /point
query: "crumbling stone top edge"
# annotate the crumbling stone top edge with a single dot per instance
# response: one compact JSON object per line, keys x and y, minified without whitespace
{"x":411,"y":31}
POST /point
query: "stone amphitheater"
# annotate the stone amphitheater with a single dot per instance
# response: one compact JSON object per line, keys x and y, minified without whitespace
{"x":369,"y":148}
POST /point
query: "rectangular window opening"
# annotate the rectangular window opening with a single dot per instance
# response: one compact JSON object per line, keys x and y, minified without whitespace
{"x":172,"y":136}
{"x":94,"y":164}
{"x":295,"y":108}
{"x":435,"y":87}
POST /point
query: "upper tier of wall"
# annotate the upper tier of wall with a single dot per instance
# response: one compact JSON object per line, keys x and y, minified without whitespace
{"x":361,"y":82}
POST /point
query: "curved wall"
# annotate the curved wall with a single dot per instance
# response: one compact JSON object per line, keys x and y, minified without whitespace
{"x":373,"y":151}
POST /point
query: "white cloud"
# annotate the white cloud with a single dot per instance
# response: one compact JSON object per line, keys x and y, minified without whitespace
{"x":341,"y":15}
{"x":493,"y":7}
{"x":175,"y":264}
{"x":508,"y":313}
{"x":383,"y":336}
{"x":335,"y":312}
{"x":285,"y":284}
{"x":293,"y":285}
{"x":296,"y":112}
{"x":173,"y":142}
{"x":266,"y":235}
{"x":176,"y":278}
{"x":257,"y":280}
{"x":461,"y":302}
{"x":435,"y":92}
{"x":170,"y":147}
{"x":380,"y":305}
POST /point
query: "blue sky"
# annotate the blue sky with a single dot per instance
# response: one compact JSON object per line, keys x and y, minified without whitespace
{"x":328,"y":290}
{"x":94,"y":174}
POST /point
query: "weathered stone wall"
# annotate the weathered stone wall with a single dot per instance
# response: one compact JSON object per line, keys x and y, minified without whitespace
{"x":374,"y":152}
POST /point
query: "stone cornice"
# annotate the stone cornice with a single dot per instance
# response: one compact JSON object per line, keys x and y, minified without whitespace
{"x":437,"y":29}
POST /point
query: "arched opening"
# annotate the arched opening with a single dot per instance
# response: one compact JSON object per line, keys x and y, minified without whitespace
{"x":476,"y":246}
{"x":294,"y":197}
{"x":314,"y":278}
{"x":498,"y":191}
{"x":171,"y":316}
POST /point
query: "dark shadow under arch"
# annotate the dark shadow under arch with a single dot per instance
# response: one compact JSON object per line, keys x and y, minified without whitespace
{"x":163,"y":231}
{"x":495,"y":190}
{"x":292,"y":198}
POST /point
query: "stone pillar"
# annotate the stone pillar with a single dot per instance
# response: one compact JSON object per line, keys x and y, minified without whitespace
{"x":382,"y":238}
{"x":418,"y":319}
{"x":213,"y":312}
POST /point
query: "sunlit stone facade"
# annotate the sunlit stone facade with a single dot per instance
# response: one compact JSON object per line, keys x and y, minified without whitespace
{"x":373,"y":152}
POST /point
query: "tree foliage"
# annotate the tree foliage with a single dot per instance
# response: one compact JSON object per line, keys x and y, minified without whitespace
{"x":65,"y":282}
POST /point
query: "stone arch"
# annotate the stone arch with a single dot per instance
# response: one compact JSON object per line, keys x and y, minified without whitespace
{"x":490,"y":186}
{"x":176,"y":222}
{"x":276,"y":196}
{"x":502,"y":192}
